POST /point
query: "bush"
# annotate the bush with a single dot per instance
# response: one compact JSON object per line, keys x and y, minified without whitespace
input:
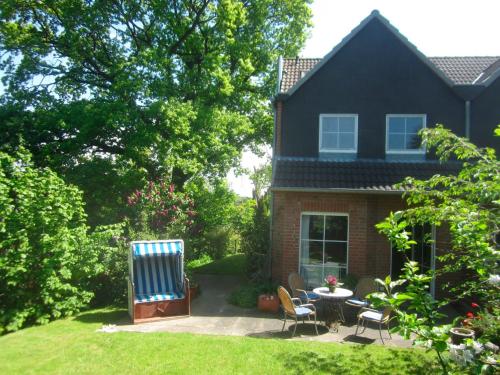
{"x":246,"y":296}
{"x":47,"y":257}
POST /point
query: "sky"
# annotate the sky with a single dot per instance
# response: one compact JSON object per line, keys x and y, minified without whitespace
{"x":435,"y":27}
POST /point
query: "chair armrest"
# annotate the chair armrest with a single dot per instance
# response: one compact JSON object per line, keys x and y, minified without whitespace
{"x":363,"y":309}
{"x":297,"y":301}
{"x":302,"y":292}
{"x":309,"y":305}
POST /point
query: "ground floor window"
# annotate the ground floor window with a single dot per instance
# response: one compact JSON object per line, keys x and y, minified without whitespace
{"x":324,"y":244}
{"x":423,"y":252}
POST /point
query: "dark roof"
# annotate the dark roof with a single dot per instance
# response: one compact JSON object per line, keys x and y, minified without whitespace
{"x":294,"y":173}
{"x":461,"y":70}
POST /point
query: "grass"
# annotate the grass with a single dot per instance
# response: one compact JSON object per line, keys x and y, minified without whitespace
{"x":230,"y":265}
{"x":73,"y":346}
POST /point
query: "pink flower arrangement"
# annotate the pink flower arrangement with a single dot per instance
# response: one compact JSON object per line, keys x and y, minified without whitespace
{"x":331,"y":280}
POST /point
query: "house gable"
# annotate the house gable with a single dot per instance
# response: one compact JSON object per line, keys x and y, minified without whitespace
{"x":372,"y":73}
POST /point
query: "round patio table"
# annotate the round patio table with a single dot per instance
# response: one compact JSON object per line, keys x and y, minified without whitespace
{"x":334,"y":302}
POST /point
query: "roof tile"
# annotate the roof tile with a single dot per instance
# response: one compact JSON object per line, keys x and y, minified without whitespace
{"x":461,"y":70}
{"x":380,"y":175}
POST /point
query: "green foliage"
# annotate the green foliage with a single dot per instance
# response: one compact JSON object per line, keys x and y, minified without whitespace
{"x":229,"y":265}
{"x":47,"y":257}
{"x":216,"y":226}
{"x":468,"y":204}
{"x":171,"y":89}
{"x":256,"y":233}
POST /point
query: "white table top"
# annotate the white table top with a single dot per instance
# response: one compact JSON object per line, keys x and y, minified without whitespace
{"x":323,"y":292}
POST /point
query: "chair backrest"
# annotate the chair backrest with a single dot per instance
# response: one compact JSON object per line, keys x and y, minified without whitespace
{"x":365,"y":286}
{"x":386,"y":314}
{"x":295,"y":281}
{"x":286,"y":300}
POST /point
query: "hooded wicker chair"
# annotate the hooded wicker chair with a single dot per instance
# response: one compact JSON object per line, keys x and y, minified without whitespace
{"x":158,"y":287}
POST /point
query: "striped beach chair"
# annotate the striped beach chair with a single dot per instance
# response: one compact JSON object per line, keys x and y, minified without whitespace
{"x":158,"y":287}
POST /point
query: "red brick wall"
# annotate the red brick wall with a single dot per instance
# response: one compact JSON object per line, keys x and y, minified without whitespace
{"x":369,"y":252}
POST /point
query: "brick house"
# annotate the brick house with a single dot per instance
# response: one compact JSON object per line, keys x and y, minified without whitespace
{"x":345,"y":133}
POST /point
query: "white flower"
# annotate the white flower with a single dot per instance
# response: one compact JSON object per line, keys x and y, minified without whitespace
{"x":478,"y":347}
{"x":494,"y":279}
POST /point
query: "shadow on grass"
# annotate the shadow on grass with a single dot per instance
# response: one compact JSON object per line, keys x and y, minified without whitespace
{"x":359,"y":361}
{"x":115,"y":316}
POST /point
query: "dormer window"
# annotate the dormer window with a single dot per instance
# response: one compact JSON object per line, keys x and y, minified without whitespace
{"x":402,"y":134}
{"x":338,"y":133}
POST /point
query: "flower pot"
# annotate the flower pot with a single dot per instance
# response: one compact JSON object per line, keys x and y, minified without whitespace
{"x":332,"y":289}
{"x":268,"y":303}
{"x":458,"y":335}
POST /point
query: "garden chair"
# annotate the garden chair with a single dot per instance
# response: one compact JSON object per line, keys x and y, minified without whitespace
{"x":297,"y":286}
{"x":380,"y":317}
{"x":365,"y":286}
{"x":295,"y":309}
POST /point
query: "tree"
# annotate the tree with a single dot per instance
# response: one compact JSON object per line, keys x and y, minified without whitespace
{"x":142,"y":89}
{"x":256,"y":233}
{"x":468,"y":204}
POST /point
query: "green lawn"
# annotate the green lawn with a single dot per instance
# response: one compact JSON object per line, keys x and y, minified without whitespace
{"x":73,"y":346}
{"x":230,"y":265}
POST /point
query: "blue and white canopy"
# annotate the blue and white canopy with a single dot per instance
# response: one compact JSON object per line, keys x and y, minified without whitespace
{"x":160,"y":247}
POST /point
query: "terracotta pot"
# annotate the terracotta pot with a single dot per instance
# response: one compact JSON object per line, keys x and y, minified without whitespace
{"x":458,"y":335}
{"x":268,"y":303}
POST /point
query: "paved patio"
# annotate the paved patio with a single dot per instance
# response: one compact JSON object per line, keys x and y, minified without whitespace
{"x":211,"y":314}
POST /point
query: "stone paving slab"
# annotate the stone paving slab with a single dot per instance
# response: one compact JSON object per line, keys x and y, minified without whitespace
{"x":211,"y":314}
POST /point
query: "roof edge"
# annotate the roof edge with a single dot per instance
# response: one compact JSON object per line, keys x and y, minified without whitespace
{"x":336,"y":190}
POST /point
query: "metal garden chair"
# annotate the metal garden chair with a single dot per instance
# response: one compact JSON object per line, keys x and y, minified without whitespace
{"x":380,"y":317}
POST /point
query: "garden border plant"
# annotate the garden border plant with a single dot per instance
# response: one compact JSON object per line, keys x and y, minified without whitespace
{"x":468,"y":204}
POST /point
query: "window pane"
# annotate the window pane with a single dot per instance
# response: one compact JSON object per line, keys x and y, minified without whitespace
{"x":329,"y":140}
{"x":396,"y":125}
{"x":313,"y":276}
{"x":336,"y":228}
{"x":346,"y":124}
{"x":330,"y":124}
{"x":346,"y":140}
{"x":312,"y":227}
{"x":311,"y":252}
{"x":396,"y":142}
{"x":414,"y":124}
{"x":336,"y":253}
{"x":412,"y":142}
{"x":338,"y":272}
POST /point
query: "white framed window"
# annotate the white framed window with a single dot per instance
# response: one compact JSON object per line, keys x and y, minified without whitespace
{"x":338,"y":133}
{"x":324,"y":246}
{"x":402,"y":133}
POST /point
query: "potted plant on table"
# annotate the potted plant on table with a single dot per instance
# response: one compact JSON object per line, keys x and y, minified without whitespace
{"x":332,"y":283}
